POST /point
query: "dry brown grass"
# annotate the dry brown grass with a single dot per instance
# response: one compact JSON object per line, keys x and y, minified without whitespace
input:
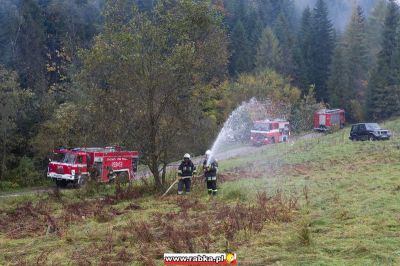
{"x":29,"y":220}
{"x":200,"y":226}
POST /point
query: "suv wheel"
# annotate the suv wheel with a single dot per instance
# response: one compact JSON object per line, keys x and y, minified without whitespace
{"x":371,"y":138}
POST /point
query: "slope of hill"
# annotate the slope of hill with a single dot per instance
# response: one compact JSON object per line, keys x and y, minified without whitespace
{"x":322,"y":201}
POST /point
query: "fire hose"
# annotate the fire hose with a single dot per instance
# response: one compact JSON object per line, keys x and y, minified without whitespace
{"x":177,"y":180}
{"x":173,"y":184}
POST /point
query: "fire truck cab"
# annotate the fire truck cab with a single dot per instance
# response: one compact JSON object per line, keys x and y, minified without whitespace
{"x":78,"y":165}
{"x":266,"y":132}
{"x":326,"y":119}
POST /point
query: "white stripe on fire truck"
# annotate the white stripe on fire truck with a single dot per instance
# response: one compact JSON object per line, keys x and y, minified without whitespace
{"x":264,"y":132}
{"x":121,"y":170}
{"x":66,"y":164}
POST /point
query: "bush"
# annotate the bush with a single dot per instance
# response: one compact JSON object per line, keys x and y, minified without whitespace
{"x":234,"y":192}
{"x":333,"y":129}
{"x":302,"y":116}
{"x":8,"y":185}
{"x":25,"y":174}
{"x":304,"y":235}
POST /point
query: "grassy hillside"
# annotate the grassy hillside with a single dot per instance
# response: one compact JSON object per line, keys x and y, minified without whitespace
{"x":322,"y":201}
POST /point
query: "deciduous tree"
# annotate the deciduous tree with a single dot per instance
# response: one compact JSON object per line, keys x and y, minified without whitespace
{"x":143,"y":70}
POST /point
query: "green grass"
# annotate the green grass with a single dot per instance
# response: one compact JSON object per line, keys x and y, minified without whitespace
{"x":353,"y":203}
{"x":348,"y":210}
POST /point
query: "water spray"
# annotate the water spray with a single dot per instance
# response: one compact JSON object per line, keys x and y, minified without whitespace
{"x":234,"y":126}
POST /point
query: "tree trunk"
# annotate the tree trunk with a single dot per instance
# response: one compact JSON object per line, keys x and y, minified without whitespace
{"x":164,"y":172}
{"x":3,"y":155}
{"x":155,"y":172}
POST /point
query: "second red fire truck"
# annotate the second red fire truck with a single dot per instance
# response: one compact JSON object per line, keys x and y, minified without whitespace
{"x":267,"y":132}
{"x":78,"y":165}
{"x":327,"y":118}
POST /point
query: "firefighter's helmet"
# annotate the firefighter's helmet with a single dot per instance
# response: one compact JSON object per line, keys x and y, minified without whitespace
{"x":208,"y":152}
{"x":187,"y":155}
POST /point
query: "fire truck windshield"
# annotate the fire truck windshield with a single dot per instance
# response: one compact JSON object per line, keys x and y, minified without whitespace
{"x":67,"y":157}
{"x":261,"y":127}
{"x":57,"y":157}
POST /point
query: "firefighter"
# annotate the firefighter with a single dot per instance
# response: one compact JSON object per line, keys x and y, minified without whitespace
{"x":210,"y":167}
{"x":185,"y":172}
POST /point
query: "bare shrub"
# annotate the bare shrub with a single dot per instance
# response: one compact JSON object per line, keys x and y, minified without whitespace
{"x":142,"y":231}
{"x":29,"y":220}
{"x":304,"y":235}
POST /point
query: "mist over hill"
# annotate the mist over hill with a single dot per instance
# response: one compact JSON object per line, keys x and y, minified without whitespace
{"x":339,"y":10}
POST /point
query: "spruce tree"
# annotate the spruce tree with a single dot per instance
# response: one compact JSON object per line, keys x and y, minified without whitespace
{"x":285,"y":37}
{"x":29,"y":57}
{"x":339,"y":81}
{"x":357,"y":63}
{"x":240,"y":58}
{"x":383,"y":95}
{"x":375,"y":23}
{"x":302,"y":56}
{"x":269,"y":54}
{"x":254,"y":30}
{"x":322,"y":46}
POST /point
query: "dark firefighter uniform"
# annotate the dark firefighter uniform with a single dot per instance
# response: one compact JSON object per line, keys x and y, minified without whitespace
{"x":210,"y":174}
{"x":185,"y":172}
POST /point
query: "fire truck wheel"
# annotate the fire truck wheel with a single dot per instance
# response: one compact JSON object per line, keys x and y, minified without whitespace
{"x":123,"y":177}
{"x":94,"y":175}
{"x":61,"y":183}
{"x":272,"y":140}
{"x":83,"y":179}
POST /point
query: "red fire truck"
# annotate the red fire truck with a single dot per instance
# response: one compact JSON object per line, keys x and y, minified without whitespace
{"x":266,"y":132}
{"x":77,"y":165}
{"x":326,"y":119}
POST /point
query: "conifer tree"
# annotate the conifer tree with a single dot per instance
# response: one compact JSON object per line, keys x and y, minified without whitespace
{"x":382,"y":101}
{"x":339,"y":81}
{"x":302,"y":56}
{"x":269,"y":54}
{"x":374,"y":27}
{"x":322,"y":46}
{"x":285,"y":37}
{"x":348,"y":76}
{"x":357,"y":50}
{"x":240,"y":58}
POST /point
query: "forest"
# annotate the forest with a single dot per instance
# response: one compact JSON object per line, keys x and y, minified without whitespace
{"x":162,"y":76}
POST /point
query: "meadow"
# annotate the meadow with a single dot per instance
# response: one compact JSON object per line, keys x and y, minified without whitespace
{"x":319,"y":201}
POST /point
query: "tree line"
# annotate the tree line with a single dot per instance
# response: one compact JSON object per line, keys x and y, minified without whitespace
{"x":162,"y":76}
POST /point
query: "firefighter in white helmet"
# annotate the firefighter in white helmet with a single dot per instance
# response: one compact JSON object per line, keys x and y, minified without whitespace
{"x":210,"y":167}
{"x":186,"y":171}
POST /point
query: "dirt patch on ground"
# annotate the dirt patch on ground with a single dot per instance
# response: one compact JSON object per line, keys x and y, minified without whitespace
{"x":237,"y":173}
{"x":298,"y":169}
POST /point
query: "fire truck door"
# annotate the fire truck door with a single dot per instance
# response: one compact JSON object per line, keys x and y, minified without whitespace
{"x":335,"y":120}
{"x":135,"y":164}
{"x":322,"y":120}
{"x":81,"y":160}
